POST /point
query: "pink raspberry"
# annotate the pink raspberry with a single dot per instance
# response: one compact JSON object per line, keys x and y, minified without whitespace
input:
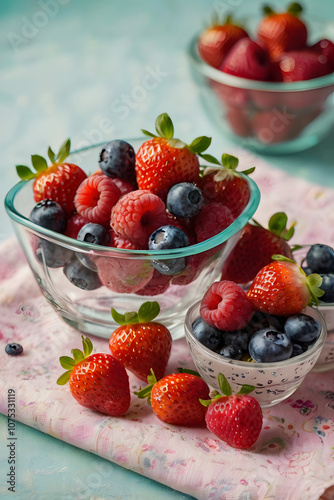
{"x":226,"y":306}
{"x":95,"y":198}
{"x":124,"y":275}
{"x":124,"y":186}
{"x":195,"y":264}
{"x":157,"y":285}
{"x":117,"y":241}
{"x":137,"y":215}
{"x":212,"y":219}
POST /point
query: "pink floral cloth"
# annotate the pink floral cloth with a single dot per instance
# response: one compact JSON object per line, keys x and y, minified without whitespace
{"x":294,"y":455}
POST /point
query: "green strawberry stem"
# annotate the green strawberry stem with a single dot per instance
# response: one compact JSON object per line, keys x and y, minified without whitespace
{"x":228,"y":163}
{"x":294,"y":8}
{"x":146,"y":313}
{"x":145,"y":393}
{"x":164,"y":128}
{"x":313,"y":281}
{"x":186,"y":370}
{"x":226,"y":390}
{"x":69,"y":363}
{"x":40,"y":164}
{"x":277,"y":225}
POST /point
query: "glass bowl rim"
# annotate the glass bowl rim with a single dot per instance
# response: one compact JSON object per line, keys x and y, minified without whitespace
{"x":244,"y":83}
{"x":257,"y":366}
{"x":84,"y":247}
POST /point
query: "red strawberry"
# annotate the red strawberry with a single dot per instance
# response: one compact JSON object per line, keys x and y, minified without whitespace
{"x":223,"y":184}
{"x":325,"y":48}
{"x":303,"y":65}
{"x":175,"y":398}
{"x":238,"y":120}
{"x":58,"y":182}
{"x":163,"y":161}
{"x":137,"y":215}
{"x":255,"y":248}
{"x":234,"y":418}
{"x":273,"y":126}
{"x":282,"y":32}
{"x":140,"y":343}
{"x":217,"y":40}
{"x":248,"y":60}
{"x":97,"y":381}
{"x":282,"y":288}
{"x":212,"y":219}
{"x":225,"y":306}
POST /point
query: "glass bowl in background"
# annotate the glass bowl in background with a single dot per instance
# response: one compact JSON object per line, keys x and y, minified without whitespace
{"x":267,"y":117}
{"x":274,"y":382}
{"x":125,"y":273}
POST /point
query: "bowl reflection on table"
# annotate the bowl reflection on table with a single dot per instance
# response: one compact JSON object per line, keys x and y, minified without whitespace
{"x":274,"y":382}
{"x":127,"y":272}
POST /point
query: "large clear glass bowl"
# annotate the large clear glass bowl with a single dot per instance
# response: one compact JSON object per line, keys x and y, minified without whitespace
{"x":267,"y":117}
{"x":127,"y":272}
{"x":274,"y":382}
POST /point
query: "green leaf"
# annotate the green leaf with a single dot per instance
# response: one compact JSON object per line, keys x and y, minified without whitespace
{"x":25,"y":173}
{"x":39,"y":163}
{"x":64,"y":151}
{"x":148,"y":311}
{"x":277,"y":223}
{"x":87,"y":346}
{"x":282,"y":258}
{"x":248,"y":171}
{"x":200,"y":144}
{"x":149,"y":134}
{"x":164,"y":126}
{"x":191,"y":372}
{"x":314,"y":281}
{"x":246,"y":389}
{"x":224,"y":385}
{"x":295,"y":8}
{"x":210,"y":159}
{"x":131,"y":317}
{"x":229,"y":161}
{"x":77,"y":355}
{"x":287,"y":235}
{"x":64,"y":378}
{"x":205,"y":402}
{"x":267,"y":10}
{"x":118,"y":317}
{"x":67,"y":362}
{"x":51,"y":155}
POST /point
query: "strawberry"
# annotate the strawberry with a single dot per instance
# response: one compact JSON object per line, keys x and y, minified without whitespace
{"x":58,"y":182}
{"x":223,"y":184}
{"x":282,"y":32}
{"x":255,"y":248}
{"x":175,"y":398}
{"x":164,"y":161}
{"x":97,"y":381}
{"x":216,"y":41}
{"x":234,"y":418}
{"x":140,"y":343}
{"x":248,"y":60}
{"x":238,"y":120}
{"x":325,"y":48}
{"x":272,"y":126}
{"x":282,"y":288}
{"x":303,"y":65}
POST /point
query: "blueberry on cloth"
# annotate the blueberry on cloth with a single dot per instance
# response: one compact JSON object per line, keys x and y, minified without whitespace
{"x":268,"y":346}
{"x":117,"y":159}
{"x":49,"y":214}
{"x":207,"y":335}
{"x":92,"y":233}
{"x":302,"y":328}
{"x":168,"y":238}
{"x":320,"y":258}
{"x":14,"y":349}
{"x":184,"y":200}
{"x":80,"y":276}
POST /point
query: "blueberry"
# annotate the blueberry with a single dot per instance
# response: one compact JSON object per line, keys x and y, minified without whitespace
{"x":297,"y":349}
{"x":92,"y":233}
{"x":80,"y":276}
{"x":184,"y":200}
{"x":14,"y":349}
{"x":320,"y":258}
{"x":208,"y":335}
{"x":117,"y":159}
{"x":231,"y":352}
{"x":52,"y":254}
{"x":327,"y":286}
{"x":238,"y":338}
{"x":164,"y":238}
{"x":267,"y":346}
{"x":302,"y":328}
{"x":49,"y":214}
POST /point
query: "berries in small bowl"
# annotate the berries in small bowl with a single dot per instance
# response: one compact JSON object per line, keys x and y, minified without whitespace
{"x":120,"y":241}
{"x":271,"y":87}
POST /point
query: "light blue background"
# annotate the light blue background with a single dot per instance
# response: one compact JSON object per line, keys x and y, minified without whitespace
{"x":93,"y":71}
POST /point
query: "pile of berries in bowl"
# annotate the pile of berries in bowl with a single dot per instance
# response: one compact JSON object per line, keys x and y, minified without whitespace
{"x":113,"y":224}
{"x":268,"y":337}
{"x":268,"y":86}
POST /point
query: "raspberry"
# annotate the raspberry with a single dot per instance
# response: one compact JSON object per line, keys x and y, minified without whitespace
{"x":124,"y":275}
{"x":121,"y":242}
{"x":95,"y":198}
{"x":124,"y":186}
{"x":137,"y":215}
{"x":226,"y":306}
{"x":212,"y":219}
{"x":157,"y":284}
{"x":195,"y":264}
